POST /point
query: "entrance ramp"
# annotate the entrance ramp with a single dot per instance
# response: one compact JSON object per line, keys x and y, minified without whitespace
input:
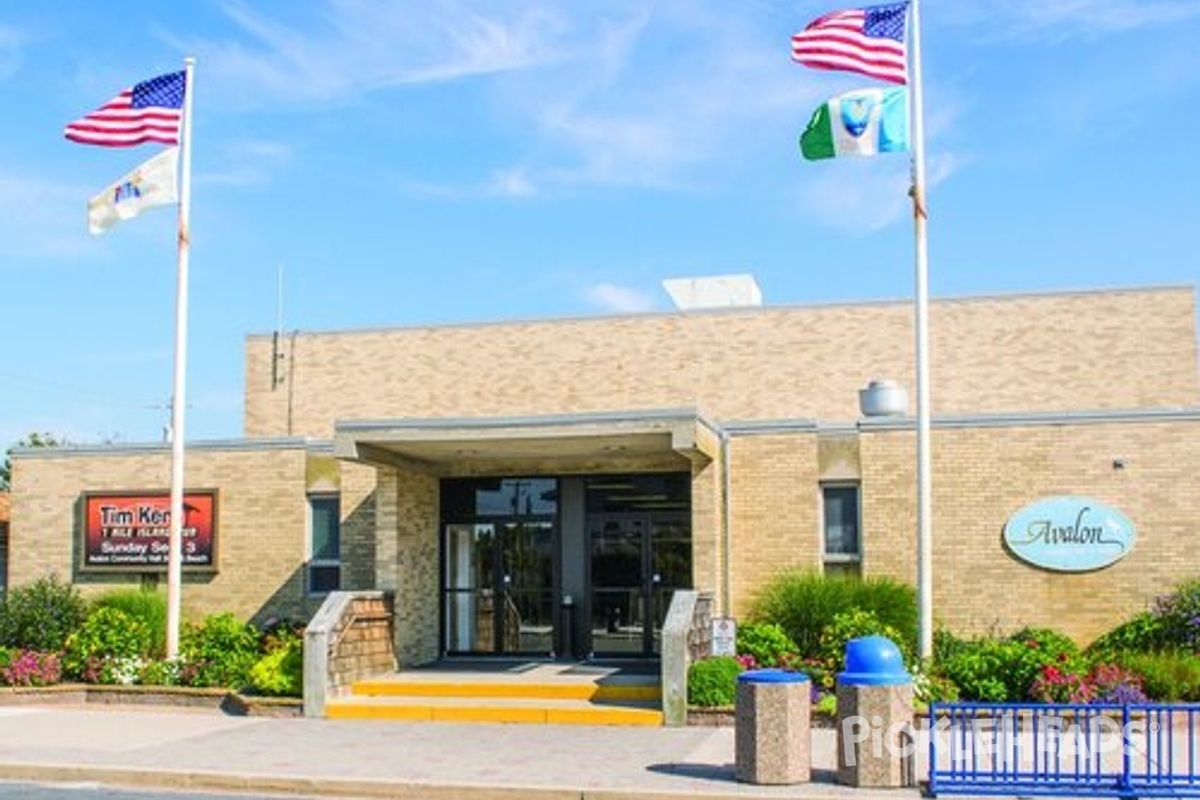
{"x":515,"y":692}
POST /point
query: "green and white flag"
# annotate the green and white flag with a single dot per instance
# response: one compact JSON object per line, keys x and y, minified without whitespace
{"x":859,"y":123}
{"x":150,"y":184}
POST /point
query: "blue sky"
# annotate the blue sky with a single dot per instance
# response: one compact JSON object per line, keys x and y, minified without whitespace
{"x":412,"y":163}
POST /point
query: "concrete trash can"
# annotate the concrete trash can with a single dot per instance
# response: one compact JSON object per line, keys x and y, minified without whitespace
{"x":876,"y":748}
{"x":773,"y":727}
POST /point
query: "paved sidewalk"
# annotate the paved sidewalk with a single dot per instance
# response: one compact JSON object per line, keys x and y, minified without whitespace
{"x":208,"y":750}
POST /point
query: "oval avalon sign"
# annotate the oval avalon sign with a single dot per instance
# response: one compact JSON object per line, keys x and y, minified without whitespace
{"x":1069,"y":534}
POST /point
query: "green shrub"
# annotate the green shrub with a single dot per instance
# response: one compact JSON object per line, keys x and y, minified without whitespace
{"x":277,"y":633}
{"x":997,"y":670}
{"x":1169,"y":677}
{"x":41,"y":615}
{"x":979,"y":669}
{"x":931,"y":685}
{"x":946,"y":645}
{"x":805,"y":603}
{"x":766,"y":643}
{"x":107,"y":648}
{"x":148,"y":607}
{"x":160,"y":672}
{"x":1179,"y":614}
{"x":220,"y":651}
{"x":1034,"y":650}
{"x":712,"y":682}
{"x":1143,"y":633}
{"x":281,"y":671}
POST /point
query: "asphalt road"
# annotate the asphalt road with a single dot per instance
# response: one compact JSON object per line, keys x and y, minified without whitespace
{"x":89,"y":791}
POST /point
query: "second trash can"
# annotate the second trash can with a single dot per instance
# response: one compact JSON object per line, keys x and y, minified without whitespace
{"x":875,"y":712}
{"x":773,"y":727}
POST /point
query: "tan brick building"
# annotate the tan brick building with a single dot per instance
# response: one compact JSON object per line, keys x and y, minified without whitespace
{"x":540,"y":488}
{"x":4,"y":505}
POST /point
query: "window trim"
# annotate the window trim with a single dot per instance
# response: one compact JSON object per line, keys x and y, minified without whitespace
{"x":311,"y":563}
{"x":840,"y":558}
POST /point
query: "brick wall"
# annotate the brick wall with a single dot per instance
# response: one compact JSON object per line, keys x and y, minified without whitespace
{"x":361,"y":644}
{"x":261,"y":522}
{"x":999,"y":354}
{"x":407,"y":559}
{"x":983,"y":475}
{"x":774,"y":510}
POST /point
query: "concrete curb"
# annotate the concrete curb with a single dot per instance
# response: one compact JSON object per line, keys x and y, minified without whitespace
{"x":369,"y":789}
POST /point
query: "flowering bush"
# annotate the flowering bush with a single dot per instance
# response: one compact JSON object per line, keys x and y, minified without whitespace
{"x":765,"y":643}
{"x":1105,"y":683}
{"x":160,"y":672}
{"x":930,"y":685}
{"x":1115,"y":684}
{"x":31,"y":668}
{"x":112,"y":670}
{"x":1057,"y":686}
{"x":98,"y":651}
{"x":1180,"y":615}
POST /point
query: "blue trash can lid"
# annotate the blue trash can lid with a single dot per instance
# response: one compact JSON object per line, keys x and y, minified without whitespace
{"x":873,"y":661}
{"x":772,"y":676}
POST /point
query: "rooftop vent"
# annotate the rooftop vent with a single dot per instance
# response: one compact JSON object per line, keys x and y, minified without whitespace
{"x":883,"y":399}
{"x":717,"y":291}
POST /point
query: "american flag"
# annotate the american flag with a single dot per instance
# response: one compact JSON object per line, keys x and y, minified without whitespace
{"x":149,"y":112}
{"x":866,"y":40}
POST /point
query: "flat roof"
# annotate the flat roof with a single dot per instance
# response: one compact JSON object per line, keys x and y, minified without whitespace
{"x":725,"y":310}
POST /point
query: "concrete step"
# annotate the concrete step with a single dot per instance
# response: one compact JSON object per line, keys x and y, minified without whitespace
{"x":533,"y":693}
{"x":613,"y":689}
{"x":529,"y":709}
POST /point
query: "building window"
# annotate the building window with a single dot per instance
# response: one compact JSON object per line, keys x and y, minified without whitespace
{"x":842,"y":545}
{"x":325,"y":544}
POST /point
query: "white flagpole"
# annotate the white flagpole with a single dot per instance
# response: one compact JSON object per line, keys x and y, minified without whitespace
{"x":924,"y":471}
{"x":178,"y":399}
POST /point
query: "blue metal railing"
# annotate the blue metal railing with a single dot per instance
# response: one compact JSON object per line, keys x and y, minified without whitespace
{"x":1135,"y":750}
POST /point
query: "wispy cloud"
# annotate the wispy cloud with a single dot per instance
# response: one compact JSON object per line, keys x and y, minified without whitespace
{"x":246,"y":163}
{"x":602,"y":107}
{"x":635,"y":118}
{"x":12,"y":43}
{"x":514,"y":182}
{"x":345,"y":48}
{"x":33,"y":215}
{"x":862,"y":196}
{"x":610,"y":297}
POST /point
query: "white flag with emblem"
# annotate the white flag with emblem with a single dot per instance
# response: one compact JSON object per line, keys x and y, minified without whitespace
{"x":151,"y":184}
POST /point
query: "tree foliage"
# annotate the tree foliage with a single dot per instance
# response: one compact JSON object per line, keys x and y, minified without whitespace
{"x":32,"y":440}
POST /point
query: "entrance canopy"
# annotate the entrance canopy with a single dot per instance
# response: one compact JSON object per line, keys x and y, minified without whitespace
{"x":574,"y":443}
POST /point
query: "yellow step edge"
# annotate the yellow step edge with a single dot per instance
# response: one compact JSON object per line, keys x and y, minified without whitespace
{"x":630,"y":692}
{"x":505,"y":714}
{"x":605,"y":716}
{"x":378,"y":712}
{"x":546,"y":691}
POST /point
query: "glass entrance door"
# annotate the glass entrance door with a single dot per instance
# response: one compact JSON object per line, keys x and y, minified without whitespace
{"x":637,"y":563}
{"x":499,"y":588}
